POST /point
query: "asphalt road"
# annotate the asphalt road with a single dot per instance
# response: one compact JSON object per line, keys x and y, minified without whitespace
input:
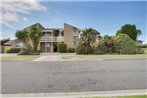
{"x":73,"y":76}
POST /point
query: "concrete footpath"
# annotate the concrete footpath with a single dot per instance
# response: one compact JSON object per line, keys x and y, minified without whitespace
{"x":110,"y":94}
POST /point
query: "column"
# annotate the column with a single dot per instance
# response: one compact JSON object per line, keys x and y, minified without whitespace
{"x":52,"y":47}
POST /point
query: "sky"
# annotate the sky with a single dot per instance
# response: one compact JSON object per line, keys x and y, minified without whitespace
{"x":105,"y":16}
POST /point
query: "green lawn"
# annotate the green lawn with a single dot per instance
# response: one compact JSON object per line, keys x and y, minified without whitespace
{"x":142,"y":96}
{"x":19,"y":58}
{"x":109,"y":57}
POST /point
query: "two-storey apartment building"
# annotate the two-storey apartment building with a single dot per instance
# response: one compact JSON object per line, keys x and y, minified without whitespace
{"x":52,"y":36}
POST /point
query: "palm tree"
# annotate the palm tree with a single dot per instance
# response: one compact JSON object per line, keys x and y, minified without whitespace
{"x":88,"y":37}
{"x":109,"y":43}
{"x":87,"y":41}
{"x":35,"y":35}
{"x":23,"y":37}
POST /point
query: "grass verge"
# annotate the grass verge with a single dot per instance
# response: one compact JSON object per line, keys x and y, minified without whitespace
{"x":141,"y":96}
{"x":19,"y":58}
{"x":109,"y":57}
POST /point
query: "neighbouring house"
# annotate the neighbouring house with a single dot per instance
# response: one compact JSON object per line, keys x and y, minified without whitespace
{"x":7,"y":43}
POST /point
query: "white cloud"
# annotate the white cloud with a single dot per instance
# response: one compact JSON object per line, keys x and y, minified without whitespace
{"x":25,"y":19}
{"x":9,"y":17}
{"x":11,"y":10}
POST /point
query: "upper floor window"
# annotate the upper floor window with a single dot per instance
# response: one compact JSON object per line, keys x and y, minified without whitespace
{"x":56,"y":33}
{"x":75,"y":34}
{"x":46,"y":33}
{"x":62,"y":33}
{"x":19,"y":44}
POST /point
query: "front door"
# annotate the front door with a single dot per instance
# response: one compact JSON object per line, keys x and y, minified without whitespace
{"x":45,"y":47}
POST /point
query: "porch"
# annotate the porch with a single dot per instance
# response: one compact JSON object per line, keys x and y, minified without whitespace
{"x":47,"y":47}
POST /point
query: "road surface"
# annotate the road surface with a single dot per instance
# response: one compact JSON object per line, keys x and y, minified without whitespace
{"x":73,"y":76}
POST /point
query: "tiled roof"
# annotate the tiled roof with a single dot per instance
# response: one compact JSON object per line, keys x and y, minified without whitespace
{"x":9,"y":43}
{"x":38,"y":25}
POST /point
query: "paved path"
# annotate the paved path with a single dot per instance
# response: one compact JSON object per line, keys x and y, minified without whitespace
{"x":73,"y":76}
{"x":49,"y":58}
{"x":52,"y":56}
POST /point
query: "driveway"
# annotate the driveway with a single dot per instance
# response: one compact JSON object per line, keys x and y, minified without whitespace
{"x":73,"y":76}
{"x":49,"y":58}
{"x":52,"y":56}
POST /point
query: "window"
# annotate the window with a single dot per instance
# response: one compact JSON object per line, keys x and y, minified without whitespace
{"x":17,"y":44}
{"x":75,"y":34}
{"x":75,"y":39}
{"x":62,"y":33}
{"x":75,"y":43}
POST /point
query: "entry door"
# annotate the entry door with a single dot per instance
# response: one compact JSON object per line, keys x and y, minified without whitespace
{"x":45,"y":47}
{"x":42,"y":47}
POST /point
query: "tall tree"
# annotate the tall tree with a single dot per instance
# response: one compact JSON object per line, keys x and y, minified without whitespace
{"x":88,"y":36}
{"x":23,"y":37}
{"x":108,"y":43}
{"x":35,"y":35}
{"x":87,"y":41}
{"x":130,"y":30}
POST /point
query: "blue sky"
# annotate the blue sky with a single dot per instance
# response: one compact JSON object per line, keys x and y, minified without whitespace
{"x":105,"y":17}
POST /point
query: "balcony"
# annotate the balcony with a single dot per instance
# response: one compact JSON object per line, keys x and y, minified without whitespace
{"x":52,"y":39}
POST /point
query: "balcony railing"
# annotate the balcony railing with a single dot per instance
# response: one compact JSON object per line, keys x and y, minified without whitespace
{"x":52,"y":39}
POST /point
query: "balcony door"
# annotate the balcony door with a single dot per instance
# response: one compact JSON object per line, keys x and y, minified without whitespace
{"x":46,"y":36}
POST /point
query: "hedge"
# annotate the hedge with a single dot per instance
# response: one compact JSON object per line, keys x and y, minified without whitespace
{"x":83,"y":49}
{"x":97,"y":50}
{"x":25,"y":51}
{"x":100,"y":48}
{"x":142,"y":46}
{"x":61,"y":47}
{"x":70,"y":50}
{"x":13,"y":50}
{"x":105,"y":46}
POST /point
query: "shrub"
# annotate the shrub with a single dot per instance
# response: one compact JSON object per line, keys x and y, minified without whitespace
{"x":71,"y":50}
{"x":8,"y":50}
{"x":97,"y":50}
{"x":26,"y":51}
{"x":142,"y":46}
{"x":139,"y":51}
{"x":124,"y":44}
{"x":101,"y":48}
{"x":30,"y":51}
{"x":38,"y":51}
{"x":62,"y":47}
{"x":83,"y":49}
{"x":13,"y":50}
{"x":106,"y":45}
